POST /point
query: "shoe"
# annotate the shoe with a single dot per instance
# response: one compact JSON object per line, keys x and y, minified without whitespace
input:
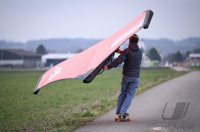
{"x":126,"y":114}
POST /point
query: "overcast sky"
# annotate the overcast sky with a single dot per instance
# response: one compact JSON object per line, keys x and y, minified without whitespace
{"x":23,"y":20}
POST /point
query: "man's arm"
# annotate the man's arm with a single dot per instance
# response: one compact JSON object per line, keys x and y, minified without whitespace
{"x":121,"y":58}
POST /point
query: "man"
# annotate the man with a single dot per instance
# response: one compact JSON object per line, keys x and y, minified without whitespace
{"x":131,"y":57}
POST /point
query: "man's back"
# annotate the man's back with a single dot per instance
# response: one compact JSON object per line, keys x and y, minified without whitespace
{"x":132,"y":62}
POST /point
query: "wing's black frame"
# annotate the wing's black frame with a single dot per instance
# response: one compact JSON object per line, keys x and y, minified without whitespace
{"x":147,"y":20}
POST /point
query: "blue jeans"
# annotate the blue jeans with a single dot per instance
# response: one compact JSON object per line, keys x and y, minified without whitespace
{"x":128,"y":88}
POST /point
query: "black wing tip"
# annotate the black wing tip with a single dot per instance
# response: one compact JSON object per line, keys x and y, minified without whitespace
{"x":87,"y":81}
{"x":36,"y":91}
{"x":147,"y":21}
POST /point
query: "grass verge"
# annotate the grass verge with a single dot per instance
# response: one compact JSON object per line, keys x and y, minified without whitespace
{"x":65,"y":105}
{"x":195,"y":68}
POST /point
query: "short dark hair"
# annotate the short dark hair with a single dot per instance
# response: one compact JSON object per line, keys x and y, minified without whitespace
{"x":134,"y":39}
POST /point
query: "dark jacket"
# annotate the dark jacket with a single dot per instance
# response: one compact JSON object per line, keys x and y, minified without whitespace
{"x":132,"y":62}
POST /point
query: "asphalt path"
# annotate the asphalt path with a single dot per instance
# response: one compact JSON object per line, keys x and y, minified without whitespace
{"x":173,"y":106}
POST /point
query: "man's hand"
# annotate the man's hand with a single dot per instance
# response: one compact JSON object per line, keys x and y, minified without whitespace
{"x":118,"y":51}
{"x":105,"y":67}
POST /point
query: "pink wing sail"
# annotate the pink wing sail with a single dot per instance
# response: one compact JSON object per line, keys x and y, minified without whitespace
{"x":83,"y":64}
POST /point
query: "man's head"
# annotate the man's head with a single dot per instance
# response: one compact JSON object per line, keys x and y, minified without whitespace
{"x":133,"y":41}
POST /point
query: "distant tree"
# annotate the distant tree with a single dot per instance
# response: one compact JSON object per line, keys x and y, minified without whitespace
{"x":41,"y":49}
{"x":153,"y":54}
{"x":178,"y":57}
{"x":175,"y":57}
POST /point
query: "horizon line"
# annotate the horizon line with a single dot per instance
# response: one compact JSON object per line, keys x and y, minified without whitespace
{"x":85,"y":38}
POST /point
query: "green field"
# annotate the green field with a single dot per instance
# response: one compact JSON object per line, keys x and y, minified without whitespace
{"x":65,"y":105}
{"x":195,"y":68}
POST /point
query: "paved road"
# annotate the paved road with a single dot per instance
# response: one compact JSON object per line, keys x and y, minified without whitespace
{"x":173,"y":106}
